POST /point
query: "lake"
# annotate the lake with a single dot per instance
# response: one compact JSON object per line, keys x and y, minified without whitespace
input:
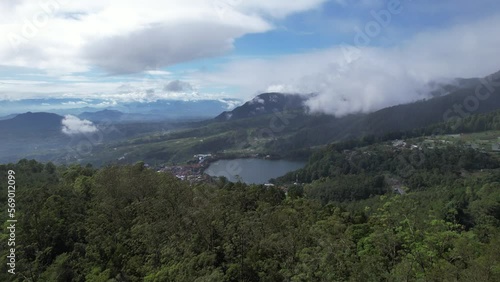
{"x":252,"y":171}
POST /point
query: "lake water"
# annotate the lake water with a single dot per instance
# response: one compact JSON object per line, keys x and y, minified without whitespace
{"x":252,"y":171}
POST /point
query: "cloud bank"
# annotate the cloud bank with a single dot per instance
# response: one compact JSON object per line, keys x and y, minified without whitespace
{"x":72,"y":125}
{"x":115,"y":50}
{"x":351,"y":79}
{"x":130,"y":36}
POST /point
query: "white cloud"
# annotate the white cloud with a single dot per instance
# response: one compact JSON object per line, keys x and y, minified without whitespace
{"x":158,"y":72}
{"x":62,"y":36}
{"x":133,"y":90}
{"x":272,"y":8}
{"x":231,"y":104}
{"x":134,"y":36}
{"x":257,"y":100}
{"x":374,"y":77}
{"x":74,"y":103}
{"x":282,"y":88}
{"x":73,"y":126}
{"x":360,"y":3}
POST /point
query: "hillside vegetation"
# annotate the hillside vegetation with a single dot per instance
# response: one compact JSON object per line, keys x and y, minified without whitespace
{"x":386,"y":214}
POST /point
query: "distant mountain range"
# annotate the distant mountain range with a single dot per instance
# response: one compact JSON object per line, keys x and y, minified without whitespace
{"x":132,"y":111}
{"x":304,"y":130}
{"x":105,"y":115}
{"x":241,"y":128}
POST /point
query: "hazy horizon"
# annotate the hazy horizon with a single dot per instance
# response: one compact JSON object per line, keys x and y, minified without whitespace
{"x":359,"y":56}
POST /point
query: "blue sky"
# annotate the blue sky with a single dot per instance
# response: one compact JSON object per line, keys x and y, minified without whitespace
{"x":130,"y":50}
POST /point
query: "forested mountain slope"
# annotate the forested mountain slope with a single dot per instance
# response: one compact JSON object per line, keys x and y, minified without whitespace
{"x":129,"y":223}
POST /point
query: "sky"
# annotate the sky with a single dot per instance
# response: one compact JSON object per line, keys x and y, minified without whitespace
{"x":356,"y":55}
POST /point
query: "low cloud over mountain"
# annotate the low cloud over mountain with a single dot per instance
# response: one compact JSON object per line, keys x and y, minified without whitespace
{"x":73,"y":126}
{"x":352,"y":79}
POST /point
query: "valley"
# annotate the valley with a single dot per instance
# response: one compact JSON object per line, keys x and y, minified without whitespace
{"x":406,"y":174}
{"x":274,"y":124}
{"x":250,"y":141}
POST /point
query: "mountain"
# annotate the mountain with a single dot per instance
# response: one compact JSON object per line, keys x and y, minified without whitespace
{"x":438,"y":89}
{"x":263,"y":104}
{"x":105,"y":115}
{"x":31,"y":124}
{"x":175,"y":109}
{"x":306,"y":130}
{"x":460,"y":103}
{"x":254,"y":128}
{"x":26,"y":135}
{"x":8,"y":117}
{"x":158,"y":110}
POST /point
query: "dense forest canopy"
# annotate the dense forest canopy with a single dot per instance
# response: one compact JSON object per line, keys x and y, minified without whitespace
{"x":130,"y":132}
{"x":345,"y":223}
{"x":370,"y":209}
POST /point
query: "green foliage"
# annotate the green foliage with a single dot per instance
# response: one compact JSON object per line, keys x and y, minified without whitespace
{"x":130,"y":223}
{"x":346,"y":188}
